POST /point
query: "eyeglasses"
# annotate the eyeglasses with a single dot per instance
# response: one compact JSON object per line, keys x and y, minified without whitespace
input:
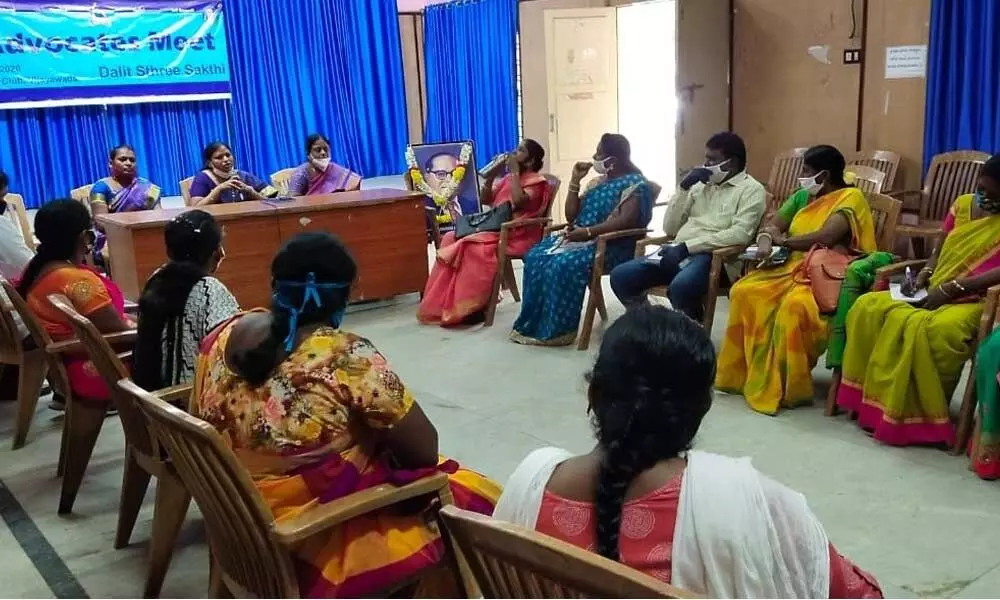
{"x":441,"y":174}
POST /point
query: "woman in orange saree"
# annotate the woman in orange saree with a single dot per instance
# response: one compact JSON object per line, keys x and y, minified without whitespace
{"x":776,"y":332}
{"x":461,"y":282}
{"x":64,"y":229}
{"x":903,"y":359}
{"x":315,"y":413}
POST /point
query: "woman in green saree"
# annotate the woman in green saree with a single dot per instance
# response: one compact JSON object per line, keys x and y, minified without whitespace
{"x":903,"y":359}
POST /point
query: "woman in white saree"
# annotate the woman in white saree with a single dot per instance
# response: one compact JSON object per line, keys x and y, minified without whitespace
{"x":708,"y":524}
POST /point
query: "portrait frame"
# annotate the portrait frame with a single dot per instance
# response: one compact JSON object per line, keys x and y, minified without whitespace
{"x":431,"y":160}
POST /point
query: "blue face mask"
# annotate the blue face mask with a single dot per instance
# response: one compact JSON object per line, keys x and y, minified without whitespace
{"x":310,"y":294}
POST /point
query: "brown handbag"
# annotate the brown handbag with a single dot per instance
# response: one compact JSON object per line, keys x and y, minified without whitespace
{"x":823,"y":270}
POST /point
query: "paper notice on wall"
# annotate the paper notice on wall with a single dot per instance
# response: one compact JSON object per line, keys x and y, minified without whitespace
{"x":905,"y":62}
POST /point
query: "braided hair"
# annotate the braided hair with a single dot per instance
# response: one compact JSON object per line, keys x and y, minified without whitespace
{"x":58,"y":226}
{"x":193,"y":240}
{"x":650,"y":388}
{"x":317,"y":257}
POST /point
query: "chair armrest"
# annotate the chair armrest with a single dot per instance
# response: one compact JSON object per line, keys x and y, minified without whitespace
{"x":518,"y":223}
{"x":624,"y":233}
{"x":74,"y":345}
{"x":641,"y":245}
{"x":729,"y":252}
{"x":900,"y":194}
{"x":324,"y":516}
{"x":174,"y":393}
{"x":883,"y":274}
{"x":988,"y":320}
{"x":552,"y":228}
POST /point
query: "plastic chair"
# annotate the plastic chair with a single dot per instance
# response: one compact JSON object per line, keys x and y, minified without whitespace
{"x":508,"y":561}
{"x":784,"y":177}
{"x":885,"y":161}
{"x":867,"y":179}
{"x":186,"y":190}
{"x":17,"y":202}
{"x":280,"y":180}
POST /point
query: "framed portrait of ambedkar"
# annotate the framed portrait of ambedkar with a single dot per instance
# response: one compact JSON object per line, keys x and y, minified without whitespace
{"x":446,"y":174}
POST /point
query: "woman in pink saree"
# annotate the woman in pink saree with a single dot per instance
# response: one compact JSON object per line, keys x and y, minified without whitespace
{"x":461,"y":282}
{"x":64,"y":229}
{"x":319,"y":175}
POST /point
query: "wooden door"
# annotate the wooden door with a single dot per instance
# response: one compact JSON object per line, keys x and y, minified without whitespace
{"x":582,"y":57}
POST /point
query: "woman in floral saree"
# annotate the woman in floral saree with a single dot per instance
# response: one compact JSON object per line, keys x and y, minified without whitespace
{"x":776,"y":332}
{"x":461,"y":282}
{"x":315,"y":413}
{"x":903,"y":360}
{"x":557,"y":270}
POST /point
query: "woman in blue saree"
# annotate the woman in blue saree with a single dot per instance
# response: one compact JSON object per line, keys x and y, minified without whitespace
{"x":557,"y":270}
{"x":122,"y":191}
{"x":221,"y":183}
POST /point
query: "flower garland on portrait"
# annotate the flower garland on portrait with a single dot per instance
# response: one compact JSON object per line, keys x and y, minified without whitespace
{"x":446,"y":195}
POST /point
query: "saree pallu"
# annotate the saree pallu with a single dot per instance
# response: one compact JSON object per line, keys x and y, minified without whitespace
{"x":902,"y":363}
{"x":139,"y":195}
{"x":556,"y":275}
{"x":204,"y":182}
{"x":776,"y":333}
{"x":334,"y":179}
{"x":985,"y":450}
{"x":461,"y":281}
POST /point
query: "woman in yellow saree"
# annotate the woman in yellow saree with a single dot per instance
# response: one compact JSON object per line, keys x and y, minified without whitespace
{"x":903,"y":359}
{"x":315,"y":413}
{"x":776,"y":332}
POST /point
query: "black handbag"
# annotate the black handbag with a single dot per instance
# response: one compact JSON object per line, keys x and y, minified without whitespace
{"x":489,"y":220}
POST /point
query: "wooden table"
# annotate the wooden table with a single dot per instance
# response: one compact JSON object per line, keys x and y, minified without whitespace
{"x":384,"y":229}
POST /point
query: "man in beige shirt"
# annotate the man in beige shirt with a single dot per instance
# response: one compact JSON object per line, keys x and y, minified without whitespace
{"x":717,"y":205}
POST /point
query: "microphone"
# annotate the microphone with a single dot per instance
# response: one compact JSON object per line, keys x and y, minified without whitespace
{"x":234,"y":174}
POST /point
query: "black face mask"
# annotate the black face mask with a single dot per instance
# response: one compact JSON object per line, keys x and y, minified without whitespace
{"x":3,"y":207}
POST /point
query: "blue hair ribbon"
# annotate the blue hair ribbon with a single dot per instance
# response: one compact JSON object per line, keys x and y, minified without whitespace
{"x":310,"y":293}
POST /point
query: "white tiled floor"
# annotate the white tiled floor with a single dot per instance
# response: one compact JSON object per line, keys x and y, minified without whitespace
{"x":915,"y":517}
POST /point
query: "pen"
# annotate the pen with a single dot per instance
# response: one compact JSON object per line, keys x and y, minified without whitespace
{"x":909,"y":277}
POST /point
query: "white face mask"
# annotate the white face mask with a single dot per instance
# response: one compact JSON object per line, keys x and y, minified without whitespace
{"x":601,"y":166}
{"x":321,"y":163}
{"x":810,"y":184}
{"x":717,"y":173}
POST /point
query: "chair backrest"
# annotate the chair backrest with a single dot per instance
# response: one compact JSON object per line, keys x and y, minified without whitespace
{"x":951,"y":174}
{"x":280,"y":180}
{"x":237,"y":519}
{"x":885,"y":212}
{"x":82,"y":195}
{"x":17,"y":202}
{"x":112,"y":370}
{"x":186,"y":190}
{"x":57,"y":371}
{"x":554,"y":184}
{"x":512,"y":562}
{"x":785,"y":170}
{"x":10,"y":341}
{"x":867,"y":179}
{"x":886,"y":161}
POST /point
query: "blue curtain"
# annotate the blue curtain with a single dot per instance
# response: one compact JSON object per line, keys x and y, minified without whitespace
{"x":470,"y":48}
{"x":963,"y":78}
{"x":297,"y":66}
{"x":302,"y":65}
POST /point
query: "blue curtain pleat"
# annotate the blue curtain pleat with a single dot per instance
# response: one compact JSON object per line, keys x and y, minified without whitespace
{"x":470,"y":48}
{"x":339,"y":71}
{"x":963,"y":84}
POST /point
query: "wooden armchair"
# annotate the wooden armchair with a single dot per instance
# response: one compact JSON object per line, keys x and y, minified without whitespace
{"x":31,"y":362}
{"x":186,"y":190}
{"x":885,"y":161}
{"x":885,"y":212}
{"x":785,"y":171}
{"x":508,"y":561}
{"x":143,"y":456}
{"x":251,"y":552}
{"x":950,"y":175}
{"x":505,"y":278}
{"x":966,"y":415}
{"x":16,"y":202}
{"x":280,"y":180}
{"x":867,"y":179}
{"x":595,"y":291}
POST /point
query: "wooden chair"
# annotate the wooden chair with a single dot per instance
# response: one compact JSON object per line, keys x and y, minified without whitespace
{"x":867,"y":179}
{"x":595,"y":295}
{"x":186,"y":190}
{"x":280,"y":180}
{"x":82,"y":195}
{"x":143,"y":456}
{"x":250,"y":551}
{"x":84,"y":416}
{"x":785,"y":171}
{"x":950,"y":175}
{"x":885,"y":161}
{"x":966,"y":415}
{"x":16,"y":201}
{"x":505,"y":278}
{"x":512,"y":562}
{"x":32,"y":365}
